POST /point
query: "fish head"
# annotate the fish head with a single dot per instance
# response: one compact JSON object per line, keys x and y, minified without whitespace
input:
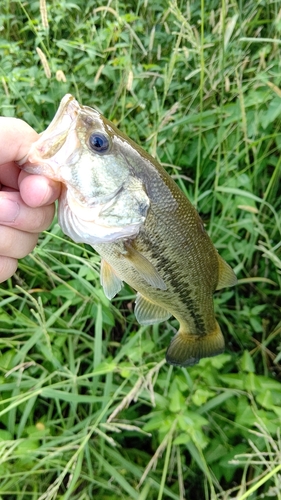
{"x":102,"y":198}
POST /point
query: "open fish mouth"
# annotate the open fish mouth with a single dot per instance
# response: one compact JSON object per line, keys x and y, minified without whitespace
{"x":63,"y":122}
{"x":58,"y":142}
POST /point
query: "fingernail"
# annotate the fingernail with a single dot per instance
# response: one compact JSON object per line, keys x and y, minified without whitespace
{"x":9,"y":210}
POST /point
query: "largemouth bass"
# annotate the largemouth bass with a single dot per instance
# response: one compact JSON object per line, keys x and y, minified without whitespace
{"x":120,"y":200}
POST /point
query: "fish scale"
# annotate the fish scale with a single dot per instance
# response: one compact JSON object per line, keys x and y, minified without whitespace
{"x":120,"y":200}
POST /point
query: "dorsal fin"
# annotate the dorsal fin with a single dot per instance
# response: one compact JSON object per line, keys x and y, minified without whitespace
{"x":148,"y":313}
{"x":110,"y":282}
{"x":226,"y":274}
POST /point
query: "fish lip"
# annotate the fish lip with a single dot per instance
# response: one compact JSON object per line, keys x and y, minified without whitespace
{"x":64,"y":120}
{"x":63,"y":124}
{"x":69,"y":106}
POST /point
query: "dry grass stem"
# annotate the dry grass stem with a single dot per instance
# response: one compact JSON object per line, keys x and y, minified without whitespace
{"x":161,"y":448}
{"x":43,"y":12}
{"x":44,"y":62}
{"x":127,"y":399}
{"x":60,"y":76}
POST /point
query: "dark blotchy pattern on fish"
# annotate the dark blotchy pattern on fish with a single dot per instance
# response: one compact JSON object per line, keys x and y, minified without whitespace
{"x":173,"y":277}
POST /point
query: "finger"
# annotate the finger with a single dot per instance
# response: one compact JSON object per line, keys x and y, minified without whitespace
{"x":16,"y":244}
{"x":8,"y":267}
{"x":9,"y":174}
{"x":37,"y":190}
{"x":16,"y":214}
{"x":16,"y":139}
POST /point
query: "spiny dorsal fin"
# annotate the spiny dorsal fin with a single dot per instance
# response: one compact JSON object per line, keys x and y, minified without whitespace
{"x":110,"y":282}
{"x":148,"y":313}
{"x":186,"y":349}
{"x":226,"y":274}
{"x":146,"y":270}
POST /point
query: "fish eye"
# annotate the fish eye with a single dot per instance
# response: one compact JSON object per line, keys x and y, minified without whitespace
{"x":99,"y":142}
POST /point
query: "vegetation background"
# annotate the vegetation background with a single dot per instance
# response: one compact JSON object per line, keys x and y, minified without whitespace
{"x":88,"y":406}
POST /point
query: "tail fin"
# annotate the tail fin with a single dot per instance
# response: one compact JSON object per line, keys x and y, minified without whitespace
{"x":186,"y":349}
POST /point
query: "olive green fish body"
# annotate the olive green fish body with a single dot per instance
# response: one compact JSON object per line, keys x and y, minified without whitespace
{"x":120,"y":200}
{"x":173,"y":239}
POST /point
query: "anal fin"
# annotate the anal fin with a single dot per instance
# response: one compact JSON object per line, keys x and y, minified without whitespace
{"x":148,"y":313}
{"x":186,"y":349}
{"x":146,"y":270}
{"x":110,"y":282}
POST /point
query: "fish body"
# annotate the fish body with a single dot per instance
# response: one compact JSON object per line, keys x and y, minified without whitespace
{"x":120,"y":200}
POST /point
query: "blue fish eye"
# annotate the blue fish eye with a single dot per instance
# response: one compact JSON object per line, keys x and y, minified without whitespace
{"x":99,"y":142}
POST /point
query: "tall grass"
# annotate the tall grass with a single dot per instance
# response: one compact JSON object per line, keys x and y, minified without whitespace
{"x":89,"y":408}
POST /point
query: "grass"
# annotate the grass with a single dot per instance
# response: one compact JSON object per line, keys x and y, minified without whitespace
{"x":88,"y":407}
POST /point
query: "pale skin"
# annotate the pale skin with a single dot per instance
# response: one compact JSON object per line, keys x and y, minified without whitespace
{"x":26,"y":201}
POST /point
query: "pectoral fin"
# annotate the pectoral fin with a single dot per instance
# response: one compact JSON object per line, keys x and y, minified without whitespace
{"x":186,"y":349}
{"x":148,"y":313}
{"x":146,"y":270}
{"x":226,"y":275}
{"x":110,"y":282}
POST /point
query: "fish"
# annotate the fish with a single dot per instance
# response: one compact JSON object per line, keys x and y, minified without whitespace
{"x":121,"y":201}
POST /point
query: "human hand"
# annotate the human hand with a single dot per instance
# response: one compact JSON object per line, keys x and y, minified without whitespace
{"x":26,"y":201}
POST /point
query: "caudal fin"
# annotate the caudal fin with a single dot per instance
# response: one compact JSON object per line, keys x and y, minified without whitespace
{"x":186,"y":349}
